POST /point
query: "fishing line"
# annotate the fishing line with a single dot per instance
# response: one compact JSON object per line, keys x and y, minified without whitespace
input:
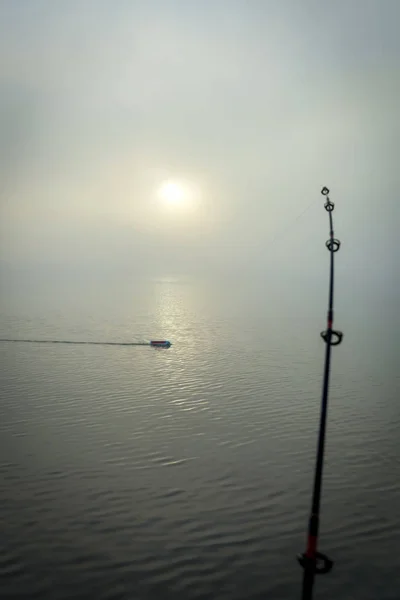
{"x":281,"y":234}
{"x":312,"y":561}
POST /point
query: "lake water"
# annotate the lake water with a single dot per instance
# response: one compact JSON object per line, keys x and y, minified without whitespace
{"x":135,"y":473}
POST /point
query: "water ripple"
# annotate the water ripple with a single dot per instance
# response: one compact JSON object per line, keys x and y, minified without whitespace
{"x":187,"y":474}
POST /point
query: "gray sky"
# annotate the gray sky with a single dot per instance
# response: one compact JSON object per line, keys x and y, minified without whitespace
{"x":255,"y":103}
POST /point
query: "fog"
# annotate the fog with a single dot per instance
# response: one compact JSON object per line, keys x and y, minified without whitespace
{"x":256,"y":104}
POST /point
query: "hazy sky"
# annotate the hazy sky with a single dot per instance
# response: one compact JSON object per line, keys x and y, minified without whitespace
{"x":255,"y":104}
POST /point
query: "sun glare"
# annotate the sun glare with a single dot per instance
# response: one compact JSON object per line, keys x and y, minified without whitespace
{"x":178,"y":195}
{"x":173,"y":193}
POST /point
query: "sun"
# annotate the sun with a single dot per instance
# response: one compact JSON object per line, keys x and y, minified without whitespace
{"x":179,"y":199}
{"x":173,"y":193}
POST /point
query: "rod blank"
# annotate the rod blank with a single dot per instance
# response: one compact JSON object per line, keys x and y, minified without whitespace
{"x":312,"y":561}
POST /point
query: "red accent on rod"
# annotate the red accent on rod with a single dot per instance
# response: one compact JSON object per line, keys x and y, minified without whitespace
{"x":311,"y":546}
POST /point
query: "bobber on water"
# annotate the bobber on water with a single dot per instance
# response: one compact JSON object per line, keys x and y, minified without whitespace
{"x":160,"y":343}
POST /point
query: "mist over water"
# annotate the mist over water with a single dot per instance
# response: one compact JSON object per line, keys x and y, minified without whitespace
{"x":160,"y":170}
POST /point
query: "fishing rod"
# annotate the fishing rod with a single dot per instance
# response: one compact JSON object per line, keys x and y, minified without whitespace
{"x":312,"y":561}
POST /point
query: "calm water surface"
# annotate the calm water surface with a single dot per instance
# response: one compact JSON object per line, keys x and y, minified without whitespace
{"x":134,"y":473}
